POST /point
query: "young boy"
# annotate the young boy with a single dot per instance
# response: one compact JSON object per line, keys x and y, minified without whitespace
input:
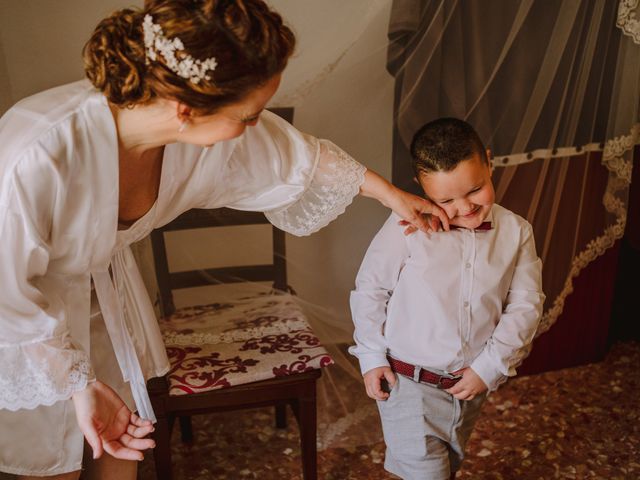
{"x":442,"y":318}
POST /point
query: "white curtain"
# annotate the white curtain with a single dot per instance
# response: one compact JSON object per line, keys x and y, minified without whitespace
{"x":553,"y":89}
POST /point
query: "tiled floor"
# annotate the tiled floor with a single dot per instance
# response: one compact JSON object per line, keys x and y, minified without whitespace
{"x":579,"y":423}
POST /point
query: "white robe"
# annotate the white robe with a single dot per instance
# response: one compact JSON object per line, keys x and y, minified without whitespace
{"x":59,"y":228}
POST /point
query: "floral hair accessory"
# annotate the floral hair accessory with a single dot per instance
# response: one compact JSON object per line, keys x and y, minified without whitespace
{"x":186,"y":67}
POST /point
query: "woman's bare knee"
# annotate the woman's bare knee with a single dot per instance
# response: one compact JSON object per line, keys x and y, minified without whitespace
{"x":107,"y":467}
{"x":61,"y":476}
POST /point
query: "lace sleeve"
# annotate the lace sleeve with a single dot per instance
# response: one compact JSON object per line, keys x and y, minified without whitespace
{"x":40,"y":365}
{"x":41,"y":373}
{"x":302,"y":183}
{"x":335,"y":181}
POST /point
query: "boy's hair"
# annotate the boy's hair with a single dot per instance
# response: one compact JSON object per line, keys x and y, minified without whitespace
{"x":440,"y":145}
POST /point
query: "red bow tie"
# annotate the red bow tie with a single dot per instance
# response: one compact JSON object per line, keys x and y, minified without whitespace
{"x":482,"y":226}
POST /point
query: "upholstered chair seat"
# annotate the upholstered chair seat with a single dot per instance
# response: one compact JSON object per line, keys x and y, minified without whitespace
{"x":243,"y":340}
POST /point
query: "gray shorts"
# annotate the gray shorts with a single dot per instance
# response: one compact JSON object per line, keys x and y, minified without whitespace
{"x":425,"y":430}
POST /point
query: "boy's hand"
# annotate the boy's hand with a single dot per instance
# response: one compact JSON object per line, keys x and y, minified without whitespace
{"x":469,"y":386}
{"x":373,"y":379}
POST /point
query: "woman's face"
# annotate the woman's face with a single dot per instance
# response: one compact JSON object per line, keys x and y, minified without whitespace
{"x":230,"y":121}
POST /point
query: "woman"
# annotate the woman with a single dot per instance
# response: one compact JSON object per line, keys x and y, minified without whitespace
{"x":88,"y":168}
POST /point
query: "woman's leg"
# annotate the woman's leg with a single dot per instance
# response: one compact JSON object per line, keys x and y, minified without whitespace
{"x":107,"y":371}
{"x":62,"y":476}
{"x":107,"y":467}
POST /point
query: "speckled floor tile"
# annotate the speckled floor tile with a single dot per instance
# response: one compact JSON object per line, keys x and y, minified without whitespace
{"x":578,"y":423}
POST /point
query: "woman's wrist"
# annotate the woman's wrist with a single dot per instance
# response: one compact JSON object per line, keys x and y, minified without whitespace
{"x":375,"y":186}
{"x":417,"y":213}
{"x":92,"y":384}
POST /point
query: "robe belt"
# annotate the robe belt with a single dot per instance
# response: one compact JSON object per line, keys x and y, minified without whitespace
{"x":112,"y":312}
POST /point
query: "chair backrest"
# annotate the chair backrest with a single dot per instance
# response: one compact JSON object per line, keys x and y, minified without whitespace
{"x":219,"y":217}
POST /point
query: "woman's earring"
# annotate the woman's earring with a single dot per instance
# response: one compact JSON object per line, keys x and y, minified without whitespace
{"x":183,"y":126}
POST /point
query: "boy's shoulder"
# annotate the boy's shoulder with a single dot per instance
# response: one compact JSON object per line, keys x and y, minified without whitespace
{"x":391,"y":229}
{"x":390,"y":235}
{"x":505,"y":219}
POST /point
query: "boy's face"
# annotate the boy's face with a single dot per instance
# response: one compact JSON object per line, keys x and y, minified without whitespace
{"x":465,"y":193}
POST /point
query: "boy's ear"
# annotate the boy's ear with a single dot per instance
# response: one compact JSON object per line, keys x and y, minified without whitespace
{"x":415,"y":179}
{"x":490,"y":159}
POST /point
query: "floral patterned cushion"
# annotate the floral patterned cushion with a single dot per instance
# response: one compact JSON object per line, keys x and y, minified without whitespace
{"x":245,"y":340}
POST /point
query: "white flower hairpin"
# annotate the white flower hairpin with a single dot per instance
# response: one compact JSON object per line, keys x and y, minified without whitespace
{"x":186,"y":67}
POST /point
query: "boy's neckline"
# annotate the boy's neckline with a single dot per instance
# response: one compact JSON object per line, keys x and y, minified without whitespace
{"x":486,"y":225}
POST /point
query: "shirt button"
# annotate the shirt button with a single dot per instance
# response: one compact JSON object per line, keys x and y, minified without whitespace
{"x":466,"y":304}
{"x":467,"y":265}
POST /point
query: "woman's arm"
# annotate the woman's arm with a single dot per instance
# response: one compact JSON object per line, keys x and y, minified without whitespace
{"x":419,"y":212}
{"x":43,"y":365}
{"x":303,"y":183}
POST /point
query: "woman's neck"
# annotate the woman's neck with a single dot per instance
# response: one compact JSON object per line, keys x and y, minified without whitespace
{"x":144,"y":127}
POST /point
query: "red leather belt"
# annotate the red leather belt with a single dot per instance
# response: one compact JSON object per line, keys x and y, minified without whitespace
{"x":423,"y":376}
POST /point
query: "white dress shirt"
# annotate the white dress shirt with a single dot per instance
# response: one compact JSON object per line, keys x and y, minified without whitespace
{"x":450,"y":300}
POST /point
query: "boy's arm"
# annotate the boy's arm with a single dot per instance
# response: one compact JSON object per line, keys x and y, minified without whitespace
{"x":375,"y":282}
{"x":506,"y":348}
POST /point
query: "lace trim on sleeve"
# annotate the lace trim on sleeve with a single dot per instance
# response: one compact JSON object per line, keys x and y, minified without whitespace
{"x":336,"y":181}
{"x":41,"y":374}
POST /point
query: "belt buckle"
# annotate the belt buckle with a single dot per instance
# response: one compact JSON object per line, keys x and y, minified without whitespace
{"x":446,"y":376}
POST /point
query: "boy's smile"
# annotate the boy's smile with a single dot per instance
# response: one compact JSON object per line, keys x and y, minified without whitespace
{"x":465,"y":193}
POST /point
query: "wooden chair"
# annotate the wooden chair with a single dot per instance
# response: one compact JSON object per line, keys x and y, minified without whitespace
{"x":251,"y":351}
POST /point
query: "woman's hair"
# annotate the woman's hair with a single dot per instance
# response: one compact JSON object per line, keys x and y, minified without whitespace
{"x":248,"y":40}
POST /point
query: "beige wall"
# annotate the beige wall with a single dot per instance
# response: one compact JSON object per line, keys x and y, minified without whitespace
{"x":336,"y":81}
{"x":353,"y":108}
{"x":42,"y":40}
{"x":6,"y":97}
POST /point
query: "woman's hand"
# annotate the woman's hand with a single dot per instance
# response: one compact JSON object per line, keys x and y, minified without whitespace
{"x":108,"y":425}
{"x":417,"y":213}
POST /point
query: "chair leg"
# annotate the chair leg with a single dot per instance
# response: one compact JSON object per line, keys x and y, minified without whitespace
{"x":162,"y":452}
{"x":281,"y":415}
{"x":186,"y":430}
{"x":305,"y":410}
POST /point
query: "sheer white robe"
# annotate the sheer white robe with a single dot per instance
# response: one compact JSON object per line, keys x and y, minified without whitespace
{"x":59,"y":228}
